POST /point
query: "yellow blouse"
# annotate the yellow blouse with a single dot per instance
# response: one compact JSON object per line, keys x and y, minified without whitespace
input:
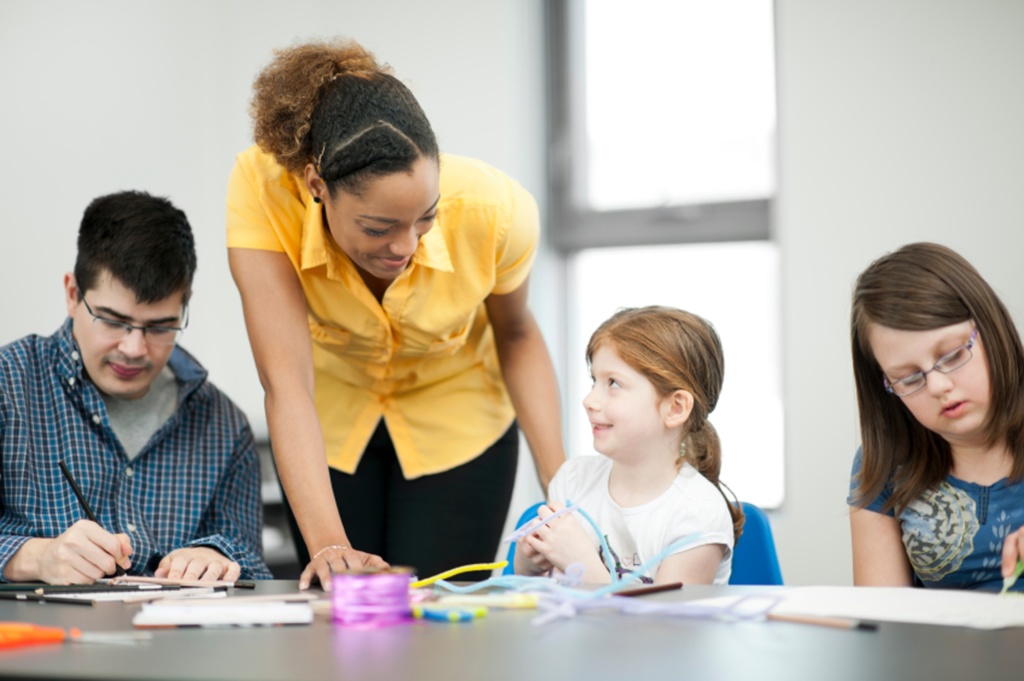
{"x":424,"y":358}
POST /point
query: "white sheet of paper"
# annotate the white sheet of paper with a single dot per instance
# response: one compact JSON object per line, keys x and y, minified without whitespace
{"x":180,"y":614}
{"x":947,"y":607}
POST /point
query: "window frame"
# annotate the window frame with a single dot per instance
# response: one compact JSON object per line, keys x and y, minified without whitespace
{"x":575,"y":227}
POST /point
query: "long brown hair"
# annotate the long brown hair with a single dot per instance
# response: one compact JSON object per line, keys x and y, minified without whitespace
{"x":920,"y":287}
{"x":676,"y":350}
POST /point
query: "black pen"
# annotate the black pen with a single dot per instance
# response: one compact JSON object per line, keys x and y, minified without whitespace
{"x":119,"y":571}
{"x":43,"y":598}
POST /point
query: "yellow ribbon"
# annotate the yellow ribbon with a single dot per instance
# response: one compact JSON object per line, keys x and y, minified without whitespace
{"x":458,"y":571}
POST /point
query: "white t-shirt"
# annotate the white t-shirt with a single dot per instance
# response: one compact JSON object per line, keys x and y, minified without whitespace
{"x":691,"y":506}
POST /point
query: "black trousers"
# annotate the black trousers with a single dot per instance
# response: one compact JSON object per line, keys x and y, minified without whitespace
{"x":433,"y":523}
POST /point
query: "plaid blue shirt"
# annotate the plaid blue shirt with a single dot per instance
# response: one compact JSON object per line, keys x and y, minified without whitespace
{"x":195,"y":483}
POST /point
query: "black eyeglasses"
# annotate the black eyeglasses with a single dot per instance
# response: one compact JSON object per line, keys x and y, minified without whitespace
{"x":947,"y":364}
{"x":115,"y":330}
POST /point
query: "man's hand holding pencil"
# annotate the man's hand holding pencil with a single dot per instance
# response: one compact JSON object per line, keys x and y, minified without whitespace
{"x":82,"y":554}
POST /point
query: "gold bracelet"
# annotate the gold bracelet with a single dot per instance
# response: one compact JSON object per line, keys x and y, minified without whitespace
{"x":327,"y":548}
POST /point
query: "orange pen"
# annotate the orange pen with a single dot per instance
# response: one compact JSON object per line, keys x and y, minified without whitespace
{"x":18,"y":634}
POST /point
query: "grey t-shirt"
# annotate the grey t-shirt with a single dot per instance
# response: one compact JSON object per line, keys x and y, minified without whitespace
{"x":135,"y":421}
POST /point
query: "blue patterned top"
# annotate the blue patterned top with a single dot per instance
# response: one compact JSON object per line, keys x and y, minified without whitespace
{"x":195,"y":483}
{"x":954,"y":533}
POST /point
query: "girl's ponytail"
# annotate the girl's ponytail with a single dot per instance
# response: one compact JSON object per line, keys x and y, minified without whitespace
{"x":702,"y":449}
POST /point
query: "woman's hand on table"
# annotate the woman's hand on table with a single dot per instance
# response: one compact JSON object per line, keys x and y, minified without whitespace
{"x":337,"y":559}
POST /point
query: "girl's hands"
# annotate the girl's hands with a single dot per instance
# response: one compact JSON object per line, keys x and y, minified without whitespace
{"x":565,"y":541}
{"x":1013,"y":551}
{"x":528,"y":560}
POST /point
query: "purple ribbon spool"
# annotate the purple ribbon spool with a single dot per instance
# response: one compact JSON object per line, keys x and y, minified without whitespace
{"x":367,"y":600}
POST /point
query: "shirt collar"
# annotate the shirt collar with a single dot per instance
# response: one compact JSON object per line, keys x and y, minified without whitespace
{"x":433,"y":251}
{"x":314,"y":245}
{"x":68,"y":359}
{"x":186,"y":368}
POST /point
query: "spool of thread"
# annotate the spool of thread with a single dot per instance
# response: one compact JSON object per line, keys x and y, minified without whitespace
{"x":371,"y":599}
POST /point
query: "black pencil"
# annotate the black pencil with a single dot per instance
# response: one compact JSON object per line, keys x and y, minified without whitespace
{"x":119,"y":571}
{"x":57,"y":589}
{"x":43,"y":598}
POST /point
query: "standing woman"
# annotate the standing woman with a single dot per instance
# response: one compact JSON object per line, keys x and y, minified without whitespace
{"x":384,"y":287}
{"x":937,"y":492}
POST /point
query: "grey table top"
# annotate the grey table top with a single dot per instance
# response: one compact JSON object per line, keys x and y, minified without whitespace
{"x":504,"y":645}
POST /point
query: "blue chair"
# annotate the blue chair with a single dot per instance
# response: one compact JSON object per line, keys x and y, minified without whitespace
{"x":754,"y":560}
{"x":528,"y":515}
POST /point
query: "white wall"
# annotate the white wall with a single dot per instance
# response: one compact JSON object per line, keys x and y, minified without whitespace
{"x":900,"y":121}
{"x":106,"y":95}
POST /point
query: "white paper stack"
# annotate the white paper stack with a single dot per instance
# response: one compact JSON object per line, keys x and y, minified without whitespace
{"x":948,"y":607}
{"x":222,"y":614}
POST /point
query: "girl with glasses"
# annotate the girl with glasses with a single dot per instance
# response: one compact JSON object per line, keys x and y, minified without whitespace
{"x":937,"y":490}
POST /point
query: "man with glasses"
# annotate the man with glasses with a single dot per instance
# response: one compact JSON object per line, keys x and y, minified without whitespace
{"x":165,"y":463}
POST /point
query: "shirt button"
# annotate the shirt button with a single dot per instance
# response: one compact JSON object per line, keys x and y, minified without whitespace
{"x":74,"y":355}
{"x":71,"y":381}
{"x":129,"y":472}
{"x":130,"y":527}
{"x":96,"y":418}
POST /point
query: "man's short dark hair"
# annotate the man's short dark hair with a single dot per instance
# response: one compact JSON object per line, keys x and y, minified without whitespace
{"x":143,"y":241}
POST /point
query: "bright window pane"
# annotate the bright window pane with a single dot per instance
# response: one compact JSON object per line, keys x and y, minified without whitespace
{"x":680,"y":102}
{"x":735,"y":287}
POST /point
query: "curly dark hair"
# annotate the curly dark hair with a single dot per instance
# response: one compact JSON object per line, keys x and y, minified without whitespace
{"x":331,"y":104}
